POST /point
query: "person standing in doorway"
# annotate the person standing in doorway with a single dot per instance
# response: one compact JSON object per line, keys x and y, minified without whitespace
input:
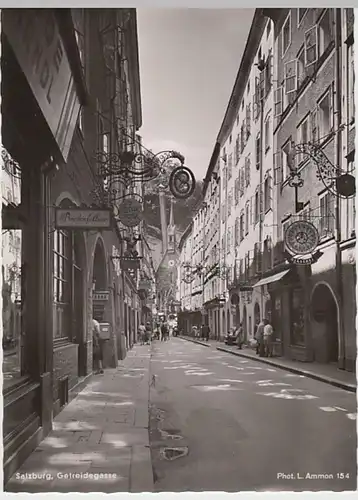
{"x":97,"y":347}
{"x":240,"y":336}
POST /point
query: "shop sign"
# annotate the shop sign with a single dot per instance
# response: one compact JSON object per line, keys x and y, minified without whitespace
{"x":144,"y":285}
{"x":35,"y":39}
{"x":100,"y":296}
{"x":130,"y":212}
{"x":129,"y":264}
{"x":85,"y":219}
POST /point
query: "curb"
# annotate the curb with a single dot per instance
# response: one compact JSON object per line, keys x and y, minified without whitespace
{"x":194,"y":341}
{"x":299,"y":371}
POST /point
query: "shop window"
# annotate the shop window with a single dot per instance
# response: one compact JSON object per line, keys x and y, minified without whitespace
{"x":14,"y":363}
{"x":297,"y":317}
{"x":286,"y":34}
{"x":61,"y":284}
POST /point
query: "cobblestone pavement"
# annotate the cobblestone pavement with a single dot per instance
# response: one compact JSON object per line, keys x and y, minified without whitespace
{"x":99,"y":442}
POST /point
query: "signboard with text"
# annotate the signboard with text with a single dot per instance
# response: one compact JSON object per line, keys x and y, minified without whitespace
{"x":130,"y":212}
{"x":83,"y":218}
{"x":35,"y":39}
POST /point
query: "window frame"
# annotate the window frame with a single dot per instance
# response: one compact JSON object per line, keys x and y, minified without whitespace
{"x":287,"y":20}
{"x":267,"y":132}
{"x":327,"y":93}
{"x":299,"y":21}
{"x":323,"y":228}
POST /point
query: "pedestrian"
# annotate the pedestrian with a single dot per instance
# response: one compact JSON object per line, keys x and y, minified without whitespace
{"x":205,"y":330}
{"x":97,"y":347}
{"x":141,"y":333}
{"x":164,"y":329}
{"x":240,"y":336}
{"x":260,"y":348}
{"x":268,"y":336}
{"x":148,"y":333}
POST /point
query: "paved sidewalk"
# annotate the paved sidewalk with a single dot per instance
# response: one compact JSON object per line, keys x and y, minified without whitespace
{"x":100,"y":441}
{"x":324,"y":373}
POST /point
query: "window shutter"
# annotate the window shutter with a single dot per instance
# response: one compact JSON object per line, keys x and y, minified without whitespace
{"x":248,"y":120}
{"x":311,"y":46}
{"x":256,"y":108}
{"x":314,"y":131}
{"x":242,"y":181}
{"x":258,"y":152}
{"x":270,"y":194}
{"x":277,"y":166}
{"x":278,"y":98}
{"x":261,"y":86}
{"x":290,"y":76}
{"x":252,"y":201}
{"x":248,"y":175}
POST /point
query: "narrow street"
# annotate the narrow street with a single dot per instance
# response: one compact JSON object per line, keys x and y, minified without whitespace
{"x":241,"y":425}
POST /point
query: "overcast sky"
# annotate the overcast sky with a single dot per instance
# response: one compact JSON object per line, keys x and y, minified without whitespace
{"x":189,"y":59}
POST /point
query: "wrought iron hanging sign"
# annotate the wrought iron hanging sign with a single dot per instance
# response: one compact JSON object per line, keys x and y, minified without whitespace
{"x":301,"y":240}
{"x":130,"y":212}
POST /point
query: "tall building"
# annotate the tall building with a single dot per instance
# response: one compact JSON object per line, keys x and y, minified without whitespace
{"x":70,"y":98}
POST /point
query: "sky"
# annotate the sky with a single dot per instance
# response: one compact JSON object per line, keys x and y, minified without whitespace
{"x":188,"y":60}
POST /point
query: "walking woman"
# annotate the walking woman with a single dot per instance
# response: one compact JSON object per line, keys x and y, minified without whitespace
{"x":97,"y":348}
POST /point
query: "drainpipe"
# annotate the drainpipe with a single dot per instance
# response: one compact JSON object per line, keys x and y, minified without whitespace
{"x":338,"y":235}
{"x":261,"y":66}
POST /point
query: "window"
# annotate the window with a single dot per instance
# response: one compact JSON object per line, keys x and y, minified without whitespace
{"x":242,"y":181}
{"x":78,"y":22}
{"x":61,"y":284}
{"x":258,"y":152}
{"x":268,"y":29}
{"x":268,"y":73}
{"x":303,"y":135}
{"x":301,"y":70}
{"x":290,"y":76}
{"x":229,"y":203}
{"x":286,"y":34}
{"x":287,"y":159}
{"x":229,"y":167}
{"x":242,"y":137}
{"x":228,"y":248}
{"x":248,"y":121}
{"x":257,"y":207}
{"x":311,"y":46}
{"x":325,"y":31}
{"x":267,"y":133}
{"x":325,"y":115}
{"x":230,"y":139}
{"x":237,"y":229}
{"x":350,"y":83}
{"x":237,"y":149}
{"x":326,"y":214}
{"x":301,"y":14}
{"x":247,"y":218}
{"x":351,"y":205}
{"x":304,"y":214}
{"x":247,"y":171}
{"x":268,"y":193}
{"x":278,"y":100}
{"x":242,"y":227}
{"x":237,"y":189}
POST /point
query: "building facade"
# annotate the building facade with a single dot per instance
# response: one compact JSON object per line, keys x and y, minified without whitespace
{"x":69,"y":77}
{"x":313,"y":70}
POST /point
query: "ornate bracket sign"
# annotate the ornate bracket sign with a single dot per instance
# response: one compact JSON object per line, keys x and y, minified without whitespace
{"x":182,"y":182}
{"x":83,"y":218}
{"x":130,"y":212}
{"x":128,"y":263}
{"x":301,"y":240}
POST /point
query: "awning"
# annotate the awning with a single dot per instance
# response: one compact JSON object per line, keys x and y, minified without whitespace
{"x":272,"y":279}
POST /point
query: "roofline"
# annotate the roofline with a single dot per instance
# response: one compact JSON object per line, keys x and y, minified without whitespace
{"x":257,"y":26}
{"x":212,"y":163}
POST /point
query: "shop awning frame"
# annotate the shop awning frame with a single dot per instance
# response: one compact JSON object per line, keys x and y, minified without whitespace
{"x":272,"y":279}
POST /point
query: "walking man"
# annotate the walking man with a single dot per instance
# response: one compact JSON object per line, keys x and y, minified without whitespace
{"x":97,"y":348}
{"x":260,"y":348}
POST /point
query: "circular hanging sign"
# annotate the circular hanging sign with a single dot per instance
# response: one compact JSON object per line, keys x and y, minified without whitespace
{"x":130,"y":212}
{"x":182,"y":182}
{"x":301,"y":237}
